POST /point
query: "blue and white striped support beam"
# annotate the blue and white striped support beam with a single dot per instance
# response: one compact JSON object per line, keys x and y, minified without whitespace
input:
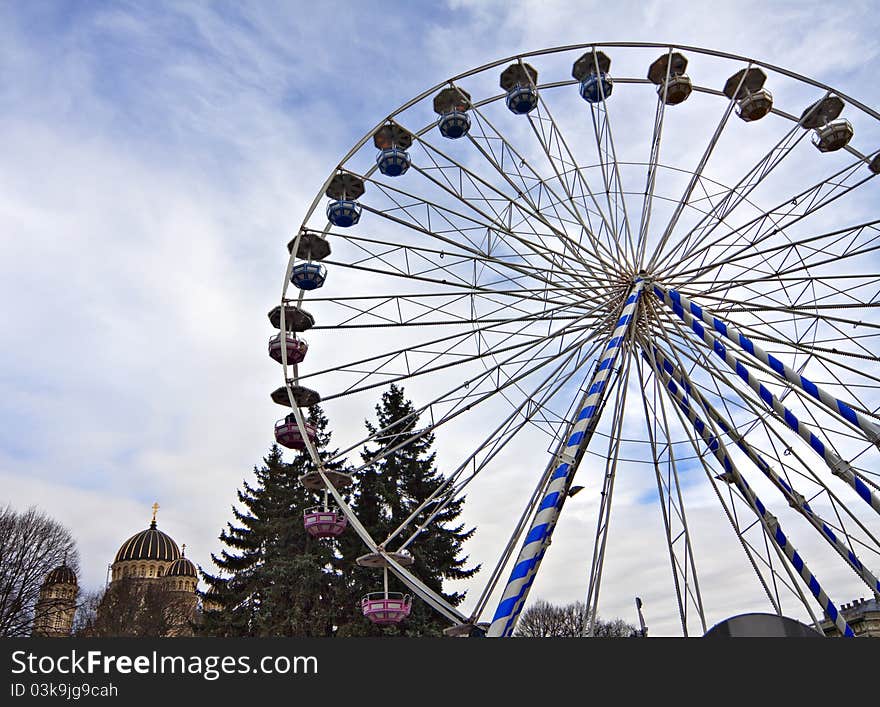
{"x":771,"y":525}
{"x":795,"y":499}
{"x":870,"y":429}
{"x":566,"y":462}
{"x":839,"y":466}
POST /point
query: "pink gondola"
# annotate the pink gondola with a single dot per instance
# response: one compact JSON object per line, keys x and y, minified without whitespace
{"x":384,"y":608}
{"x":287,"y":433}
{"x":321,"y":522}
{"x":296,"y":348}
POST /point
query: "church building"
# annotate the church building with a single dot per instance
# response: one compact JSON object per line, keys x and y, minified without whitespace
{"x":152,"y":590}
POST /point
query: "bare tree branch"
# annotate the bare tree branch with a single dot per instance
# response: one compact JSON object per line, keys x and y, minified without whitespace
{"x":31,"y":545}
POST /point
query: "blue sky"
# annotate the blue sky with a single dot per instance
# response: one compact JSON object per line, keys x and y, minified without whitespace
{"x":156,"y":159}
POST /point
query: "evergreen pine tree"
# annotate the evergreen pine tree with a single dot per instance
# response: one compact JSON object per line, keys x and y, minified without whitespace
{"x":386,"y":492}
{"x":275,"y":579}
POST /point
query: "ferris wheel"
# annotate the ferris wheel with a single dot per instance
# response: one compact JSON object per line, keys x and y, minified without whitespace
{"x":654,"y":266}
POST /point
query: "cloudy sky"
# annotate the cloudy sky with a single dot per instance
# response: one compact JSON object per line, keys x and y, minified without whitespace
{"x":156,"y":158}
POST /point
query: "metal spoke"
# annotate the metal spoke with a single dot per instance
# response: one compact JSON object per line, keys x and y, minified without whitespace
{"x":603,"y":522}
{"x":695,"y":177}
{"x":569,"y":176}
{"x":672,"y":506}
{"x":610,"y":166}
{"x":653,"y":161}
{"x":782,"y":216}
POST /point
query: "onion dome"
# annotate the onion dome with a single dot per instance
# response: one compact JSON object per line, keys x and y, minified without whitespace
{"x":181,"y":567}
{"x":149,"y":544}
{"x":61,"y":575}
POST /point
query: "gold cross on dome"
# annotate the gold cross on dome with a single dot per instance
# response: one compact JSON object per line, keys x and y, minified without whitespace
{"x":183,"y":549}
{"x":155,"y":508}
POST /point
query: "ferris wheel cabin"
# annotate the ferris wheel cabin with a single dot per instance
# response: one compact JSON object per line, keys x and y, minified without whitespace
{"x":296,"y":348}
{"x":393,"y":142}
{"x":452,"y":104}
{"x":591,"y":70}
{"x":520,"y":81}
{"x":830,"y":132}
{"x":344,"y":190}
{"x":324,"y":522}
{"x":668,"y":73}
{"x":343,"y":213}
{"x":288,"y":434}
{"x":308,"y":276}
{"x":746,"y":87}
{"x":386,"y":608}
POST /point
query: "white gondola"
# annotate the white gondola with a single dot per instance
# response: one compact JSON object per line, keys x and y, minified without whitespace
{"x":746,"y":86}
{"x":830,"y":132}
{"x":668,"y":73}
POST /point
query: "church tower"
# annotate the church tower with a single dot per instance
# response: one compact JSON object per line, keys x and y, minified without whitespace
{"x":56,"y":606}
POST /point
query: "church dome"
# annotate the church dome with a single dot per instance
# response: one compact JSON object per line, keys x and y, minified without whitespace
{"x":149,"y":544}
{"x":181,"y":567}
{"x":61,"y":575}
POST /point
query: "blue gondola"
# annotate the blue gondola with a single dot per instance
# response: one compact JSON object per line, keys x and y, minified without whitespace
{"x":522,"y":99}
{"x":520,"y":81}
{"x":591,"y":71}
{"x":452,"y":104}
{"x":393,"y":161}
{"x":308,"y":276}
{"x":454,"y":124}
{"x":594,"y":87}
{"x":343,"y":213}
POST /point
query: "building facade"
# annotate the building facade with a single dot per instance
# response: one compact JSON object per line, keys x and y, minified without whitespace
{"x":153,"y":583}
{"x":863,"y":616}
